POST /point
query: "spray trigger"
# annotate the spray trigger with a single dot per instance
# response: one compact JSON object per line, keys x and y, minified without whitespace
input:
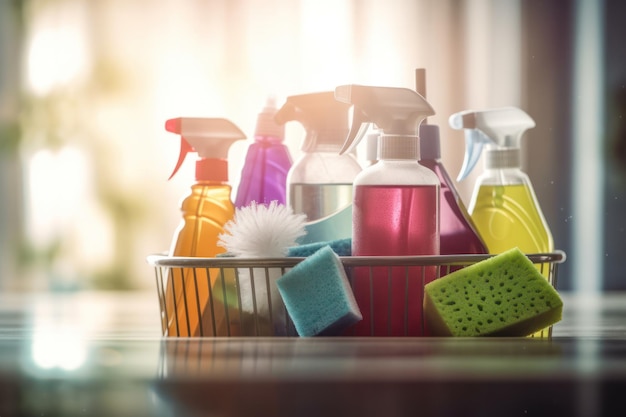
{"x":474,"y":142}
{"x":185,"y":148}
{"x":398,"y":112}
{"x":359,"y":128}
{"x":500,"y":130}
{"x":210,"y":138}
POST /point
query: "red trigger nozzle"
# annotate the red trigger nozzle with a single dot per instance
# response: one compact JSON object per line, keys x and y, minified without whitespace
{"x":185,"y":148}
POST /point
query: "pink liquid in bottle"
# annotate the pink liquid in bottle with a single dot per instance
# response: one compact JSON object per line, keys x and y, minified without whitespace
{"x":393,"y":220}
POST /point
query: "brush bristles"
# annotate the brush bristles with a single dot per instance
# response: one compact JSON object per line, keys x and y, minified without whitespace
{"x":259,"y":230}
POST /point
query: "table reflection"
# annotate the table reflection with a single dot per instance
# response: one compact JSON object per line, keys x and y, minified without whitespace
{"x":102,"y":354}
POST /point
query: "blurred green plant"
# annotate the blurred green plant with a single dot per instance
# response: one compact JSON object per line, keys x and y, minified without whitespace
{"x":63,"y":117}
{"x":9,"y":138}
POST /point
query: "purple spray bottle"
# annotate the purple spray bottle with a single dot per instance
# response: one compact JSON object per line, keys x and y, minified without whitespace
{"x":457,"y":230}
{"x":264,"y":173}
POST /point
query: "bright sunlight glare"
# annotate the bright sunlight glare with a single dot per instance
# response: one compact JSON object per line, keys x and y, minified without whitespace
{"x":58,"y":346}
{"x":56,"y":56}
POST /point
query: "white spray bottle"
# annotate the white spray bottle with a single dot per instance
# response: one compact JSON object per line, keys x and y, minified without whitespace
{"x":320,"y":181}
{"x":395,"y":209}
{"x":503,"y":206}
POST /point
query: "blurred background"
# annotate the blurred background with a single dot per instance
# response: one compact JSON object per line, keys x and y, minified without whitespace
{"x":86,"y":85}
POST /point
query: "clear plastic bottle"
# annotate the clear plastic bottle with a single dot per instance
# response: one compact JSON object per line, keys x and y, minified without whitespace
{"x":205,"y":211}
{"x":264,"y":174}
{"x":320,"y":181}
{"x":395,"y":211}
{"x":503,"y":207}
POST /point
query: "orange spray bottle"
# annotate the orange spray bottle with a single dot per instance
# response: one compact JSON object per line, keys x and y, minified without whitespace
{"x":206,"y":209}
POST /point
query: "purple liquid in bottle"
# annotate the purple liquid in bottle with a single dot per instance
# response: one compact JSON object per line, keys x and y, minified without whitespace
{"x":264,"y":175}
{"x":393,"y":220}
{"x":458,"y":234}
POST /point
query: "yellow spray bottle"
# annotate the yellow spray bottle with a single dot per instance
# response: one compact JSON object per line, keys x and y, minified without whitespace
{"x":503,"y":206}
{"x":206,"y":210}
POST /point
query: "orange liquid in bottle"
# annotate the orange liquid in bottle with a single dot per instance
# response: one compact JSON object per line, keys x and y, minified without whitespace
{"x":188,"y":305}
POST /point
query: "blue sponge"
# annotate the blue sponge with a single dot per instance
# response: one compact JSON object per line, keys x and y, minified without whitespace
{"x":318,"y":296}
{"x":342,"y":247}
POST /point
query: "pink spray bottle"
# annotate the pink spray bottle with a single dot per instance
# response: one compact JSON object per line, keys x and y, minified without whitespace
{"x":395,"y":210}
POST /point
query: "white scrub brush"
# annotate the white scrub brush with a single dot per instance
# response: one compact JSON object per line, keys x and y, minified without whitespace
{"x":262,"y":231}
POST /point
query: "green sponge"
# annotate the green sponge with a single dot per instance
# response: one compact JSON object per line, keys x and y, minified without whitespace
{"x":501,"y":296}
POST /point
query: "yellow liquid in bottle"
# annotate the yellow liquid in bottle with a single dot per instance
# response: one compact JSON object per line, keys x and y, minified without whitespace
{"x":507,"y":216}
{"x":205,"y":212}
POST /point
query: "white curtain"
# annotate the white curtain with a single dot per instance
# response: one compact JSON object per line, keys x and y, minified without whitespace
{"x":102,"y":76}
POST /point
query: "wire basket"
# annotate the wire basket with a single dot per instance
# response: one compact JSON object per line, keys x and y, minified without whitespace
{"x":230,"y":297}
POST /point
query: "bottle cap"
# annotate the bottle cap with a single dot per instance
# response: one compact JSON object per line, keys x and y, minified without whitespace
{"x":266,"y":126}
{"x":430,"y":147}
